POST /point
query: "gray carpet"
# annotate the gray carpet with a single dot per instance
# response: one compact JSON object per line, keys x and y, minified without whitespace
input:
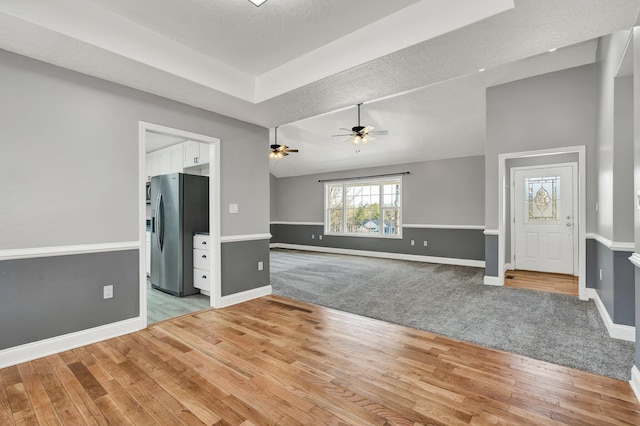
{"x":451,"y":301}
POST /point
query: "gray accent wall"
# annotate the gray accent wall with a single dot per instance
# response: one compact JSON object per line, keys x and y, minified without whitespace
{"x":623,"y":196}
{"x":442,"y":192}
{"x":591,"y":262}
{"x":491,"y":255}
{"x":616,"y":289}
{"x":240,"y":266}
{"x":51,"y":296}
{"x":450,"y":243}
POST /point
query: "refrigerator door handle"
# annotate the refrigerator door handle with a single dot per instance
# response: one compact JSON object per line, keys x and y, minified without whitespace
{"x":160,"y":214}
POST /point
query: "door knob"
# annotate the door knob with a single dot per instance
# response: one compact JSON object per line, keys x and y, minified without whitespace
{"x":568,"y":224}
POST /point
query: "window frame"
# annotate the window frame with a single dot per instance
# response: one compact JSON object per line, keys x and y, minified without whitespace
{"x":364,"y":181}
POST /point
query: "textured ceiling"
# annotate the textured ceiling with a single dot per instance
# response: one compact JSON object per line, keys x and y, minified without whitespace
{"x":251,"y":39}
{"x":208,"y":54}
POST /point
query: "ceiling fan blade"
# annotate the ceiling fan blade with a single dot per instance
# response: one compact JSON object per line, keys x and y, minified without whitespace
{"x":368,"y":138}
{"x":348,"y":134}
{"x":379,"y":132}
{"x":284,"y":153}
{"x":291,"y":150}
{"x":367,"y":129}
{"x":344,"y":128}
{"x":282,"y":148}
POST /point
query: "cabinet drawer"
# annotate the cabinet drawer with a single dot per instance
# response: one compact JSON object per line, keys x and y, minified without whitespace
{"x":201,"y":279}
{"x":201,"y":259}
{"x":201,"y":242}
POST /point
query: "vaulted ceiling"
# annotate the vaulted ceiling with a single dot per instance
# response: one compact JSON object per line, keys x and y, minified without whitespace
{"x":304,"y":64}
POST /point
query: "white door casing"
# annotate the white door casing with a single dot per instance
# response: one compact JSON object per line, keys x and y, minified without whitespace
{"x":544,"y":234}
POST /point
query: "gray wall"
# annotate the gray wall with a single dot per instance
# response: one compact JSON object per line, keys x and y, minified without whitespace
{"x":240,"y":266}
{"x":69,"y":161}
{"x":273,"y":197}
{"x":623,"y":196}
{"x":609,"y":54}
{"x":451,"y":243}
{"x":70,"y":150}
{"x":548,"y":111}
{"x":443,"y":192}
{"x":616,"y":289}
{"x":51,"y":296}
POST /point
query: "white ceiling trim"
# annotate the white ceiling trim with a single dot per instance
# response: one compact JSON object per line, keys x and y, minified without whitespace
{"x":81,"y":20}
{"x":94,"y":25}
{"x":414,"y":24}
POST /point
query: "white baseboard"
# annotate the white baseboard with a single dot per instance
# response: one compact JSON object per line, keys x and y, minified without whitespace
{"x":507,"y":266}
{"x":42,"y":348}
{"x":384,"y":255}
{"x":244,"y":296}
{"x":489,"y":280}
{"x":635,"y":382}
{"x":617,"y":331}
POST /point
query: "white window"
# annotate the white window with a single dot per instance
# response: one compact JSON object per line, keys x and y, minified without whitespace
{"x":364,"y":208}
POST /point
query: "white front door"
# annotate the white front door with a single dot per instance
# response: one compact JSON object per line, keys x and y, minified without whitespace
{"x":544,"y":219}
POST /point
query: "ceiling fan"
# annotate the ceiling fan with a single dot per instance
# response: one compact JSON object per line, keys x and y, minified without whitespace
{"x":277,"y":151}
{"x":361,"y":134}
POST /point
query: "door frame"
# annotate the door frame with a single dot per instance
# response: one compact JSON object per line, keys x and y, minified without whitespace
{"x":575,"y":200}
{"x":582,"y":208}
{"x":214,"y":209}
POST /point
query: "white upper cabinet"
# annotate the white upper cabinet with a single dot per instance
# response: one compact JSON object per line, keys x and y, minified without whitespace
{"x":195,"y":153}
{"x":176,"y":158}
{"x":152,"y":164}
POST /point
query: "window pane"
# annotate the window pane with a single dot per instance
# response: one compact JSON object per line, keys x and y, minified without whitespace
{"x":392,"y":194}
{"x":542,"y":199}
{"x":334,"y":194}
{"x":364,"y":219}
{"x":391,"y":222}
{"x":335,"y":221}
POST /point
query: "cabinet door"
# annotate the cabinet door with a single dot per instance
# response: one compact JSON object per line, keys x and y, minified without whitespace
{"x":177,"y":158}
{"x":152,"y":165}
{"x":204,"y":153}
{"x":191,"y":154}
{"x":166,"y":162}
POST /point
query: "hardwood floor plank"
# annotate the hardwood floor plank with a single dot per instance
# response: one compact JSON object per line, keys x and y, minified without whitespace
{"x":542,"y":281}
{"x":276,"y":361}
{"x":42,"y":406}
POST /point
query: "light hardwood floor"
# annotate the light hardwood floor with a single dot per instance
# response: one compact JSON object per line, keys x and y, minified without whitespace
{"x":542,"y":281}
{"x":278,"y":361}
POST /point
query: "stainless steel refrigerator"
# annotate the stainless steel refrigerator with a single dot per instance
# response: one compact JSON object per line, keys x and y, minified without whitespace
{"x":179,"y":208}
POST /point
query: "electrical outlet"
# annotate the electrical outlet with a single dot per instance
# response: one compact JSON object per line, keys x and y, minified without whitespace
{"x":425,"y":243}
{"x":413,"y":242}
{"x":233,"y":208}
{"x":107,"y":292}
{"x":260,"y":266}
{"x":319,"y":237}
{"x":313,"y":236}
{"x":600,"y":274}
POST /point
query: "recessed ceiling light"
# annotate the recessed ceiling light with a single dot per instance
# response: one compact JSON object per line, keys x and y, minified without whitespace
{"x":553,"y":50}
{"x":482,"y":69}
{"x":257,"y":2}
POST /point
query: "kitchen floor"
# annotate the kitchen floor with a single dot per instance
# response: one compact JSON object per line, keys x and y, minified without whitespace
{"x":162,"y":306}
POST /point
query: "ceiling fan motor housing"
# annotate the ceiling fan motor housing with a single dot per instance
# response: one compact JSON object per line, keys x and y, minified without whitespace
{"x":358,"y":129}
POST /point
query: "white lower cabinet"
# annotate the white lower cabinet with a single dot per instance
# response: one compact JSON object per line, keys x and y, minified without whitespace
{"x":201,"y":273}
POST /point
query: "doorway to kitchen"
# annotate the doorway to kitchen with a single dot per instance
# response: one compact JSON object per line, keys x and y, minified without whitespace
{"x":166,"y":151}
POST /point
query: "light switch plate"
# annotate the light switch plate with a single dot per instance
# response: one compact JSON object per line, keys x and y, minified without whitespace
{"x":233,"y":208}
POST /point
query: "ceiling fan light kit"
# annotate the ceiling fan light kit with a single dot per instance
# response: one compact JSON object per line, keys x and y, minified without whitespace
{"x":277,"y":151}
{"x":361,"y":135}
